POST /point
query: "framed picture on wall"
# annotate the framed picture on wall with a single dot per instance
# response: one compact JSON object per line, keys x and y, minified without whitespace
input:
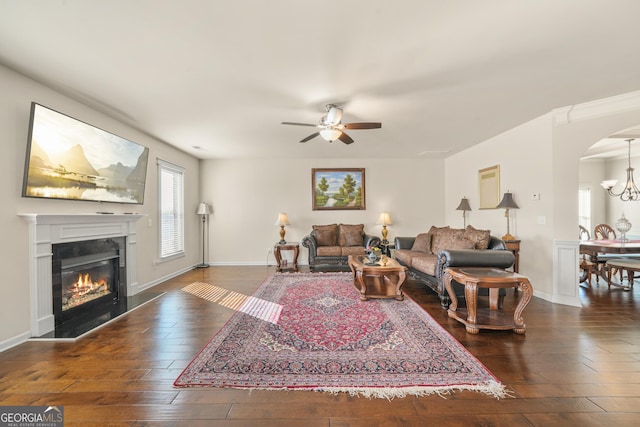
{"x":489,"y":187}
{"x":338,"y":189}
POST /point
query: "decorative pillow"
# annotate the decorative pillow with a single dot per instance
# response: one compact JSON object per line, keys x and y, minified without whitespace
{"x":479,"y":237}
{"x":422,"y":243}
{"x":444,"y":238}
{"x":326,"y":235}
{"x":351,"y":235}
{"x":437,"y":231}
{"x":461,"y":244}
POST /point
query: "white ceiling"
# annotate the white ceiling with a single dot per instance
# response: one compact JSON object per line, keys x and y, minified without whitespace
{"x":221,"y":75}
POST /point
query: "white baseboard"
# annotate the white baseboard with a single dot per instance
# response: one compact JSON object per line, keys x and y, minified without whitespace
{"x":14,"y":341}
{"x":246,"y":263}
{"x":164,"y":278}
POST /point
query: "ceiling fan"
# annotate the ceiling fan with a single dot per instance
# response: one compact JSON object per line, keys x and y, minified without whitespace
{"x":332,"y":127}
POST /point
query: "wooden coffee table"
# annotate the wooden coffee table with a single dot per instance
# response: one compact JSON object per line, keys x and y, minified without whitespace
{"x":377,"y":281}
{"x":474,"y":318}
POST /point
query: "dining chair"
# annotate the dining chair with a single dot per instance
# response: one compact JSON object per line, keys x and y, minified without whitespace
{"x":584,"y":233}
{"x":605,"y":232}
{"x":586,"y":266}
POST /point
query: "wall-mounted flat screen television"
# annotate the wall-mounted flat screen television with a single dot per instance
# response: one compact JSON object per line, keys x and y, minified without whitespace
{"x":70,"y":159}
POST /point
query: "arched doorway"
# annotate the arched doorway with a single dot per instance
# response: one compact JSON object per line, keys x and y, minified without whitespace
{"x":575,"y":129}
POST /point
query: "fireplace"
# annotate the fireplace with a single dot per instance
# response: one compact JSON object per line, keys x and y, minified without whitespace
{"x":86,"y":278}
{"x":47,"y":231}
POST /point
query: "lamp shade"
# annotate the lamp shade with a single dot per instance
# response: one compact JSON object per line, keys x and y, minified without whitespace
{"x":464,"y":205}
{"x":508,"y":202}
{"x":282,"y":219}
{"x":203,"y":209}
{"x":384,"y":219}
{"x":330,"y":134}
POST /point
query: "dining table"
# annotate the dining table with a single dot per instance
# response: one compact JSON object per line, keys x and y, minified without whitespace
{"x":599,"y":251}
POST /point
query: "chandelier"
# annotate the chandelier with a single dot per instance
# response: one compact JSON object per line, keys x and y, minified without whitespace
{"x":630,"y":192}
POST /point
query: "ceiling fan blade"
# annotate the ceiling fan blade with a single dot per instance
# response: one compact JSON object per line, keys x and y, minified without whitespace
{"x":365,"y":125}
{"x":299,"y":124}
{"x":313,"y":135}
{"x":345,"y":138}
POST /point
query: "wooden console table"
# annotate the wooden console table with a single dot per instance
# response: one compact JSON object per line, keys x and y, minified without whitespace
{"x":474,"y":318}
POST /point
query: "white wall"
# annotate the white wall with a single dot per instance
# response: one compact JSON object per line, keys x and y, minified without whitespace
{"x":523,"y":156}
{"x":247,"y":195}
{"x":17,"y":94}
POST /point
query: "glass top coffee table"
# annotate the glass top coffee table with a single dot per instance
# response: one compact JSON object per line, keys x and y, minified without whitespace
{"x":382,"y":280}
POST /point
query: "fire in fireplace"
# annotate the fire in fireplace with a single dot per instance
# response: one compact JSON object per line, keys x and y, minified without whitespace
{"x":85,"y":289}
{"x":86,"y":277}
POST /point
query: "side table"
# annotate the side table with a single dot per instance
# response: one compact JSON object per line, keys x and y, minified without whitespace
{"x":473,"y":278}
{"x":289,"y":246}
{"x":514,"y":246}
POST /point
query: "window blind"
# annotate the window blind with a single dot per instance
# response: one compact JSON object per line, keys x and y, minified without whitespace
{"x":171,"y":179}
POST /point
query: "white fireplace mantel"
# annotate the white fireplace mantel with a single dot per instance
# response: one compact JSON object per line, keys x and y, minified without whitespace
{"x":46,"y":230}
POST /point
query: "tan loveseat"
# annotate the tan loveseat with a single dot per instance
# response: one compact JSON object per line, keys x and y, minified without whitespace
{"x":428,"y":254}
{"x":330,"y":245}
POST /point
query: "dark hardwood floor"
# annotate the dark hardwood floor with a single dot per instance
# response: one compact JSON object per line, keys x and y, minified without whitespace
{"x":574,"y":366}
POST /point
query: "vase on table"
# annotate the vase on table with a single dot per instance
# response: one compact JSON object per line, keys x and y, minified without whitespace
{"x":373,"y":254}
{"x":623,"y":225}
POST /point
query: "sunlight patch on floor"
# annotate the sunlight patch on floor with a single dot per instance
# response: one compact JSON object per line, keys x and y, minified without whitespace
{"x":256,"y":307}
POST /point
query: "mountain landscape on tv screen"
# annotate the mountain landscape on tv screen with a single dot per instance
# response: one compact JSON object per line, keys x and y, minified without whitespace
{"x":70,"y":175}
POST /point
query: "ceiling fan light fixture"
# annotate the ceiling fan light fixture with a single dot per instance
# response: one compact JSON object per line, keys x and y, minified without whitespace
{"x":330,"y":134}
{"x":334,"y":115}
{"x":332,"y":128}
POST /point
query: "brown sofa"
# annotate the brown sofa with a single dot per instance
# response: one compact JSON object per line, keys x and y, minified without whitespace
{"x":330,"y":245}
{"x":427,"y":255}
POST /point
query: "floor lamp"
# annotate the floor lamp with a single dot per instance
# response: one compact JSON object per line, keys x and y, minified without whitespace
{"x":204,"y":210}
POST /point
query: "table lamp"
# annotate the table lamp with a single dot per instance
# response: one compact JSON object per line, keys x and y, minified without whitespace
{"x":464,"y":207}
{"x":384,"y":219}
{"x":507,"y":203}
{"x":282,"y":221}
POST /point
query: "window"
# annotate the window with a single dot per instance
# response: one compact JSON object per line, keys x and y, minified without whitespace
{"x":171,"y":185}
{"x":584,"y":207}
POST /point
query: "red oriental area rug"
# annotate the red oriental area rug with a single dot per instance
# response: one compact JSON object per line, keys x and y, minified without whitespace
{"x":318,"y":335}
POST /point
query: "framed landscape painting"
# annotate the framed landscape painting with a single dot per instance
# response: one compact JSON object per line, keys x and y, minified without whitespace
{"x":338,"y":189}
